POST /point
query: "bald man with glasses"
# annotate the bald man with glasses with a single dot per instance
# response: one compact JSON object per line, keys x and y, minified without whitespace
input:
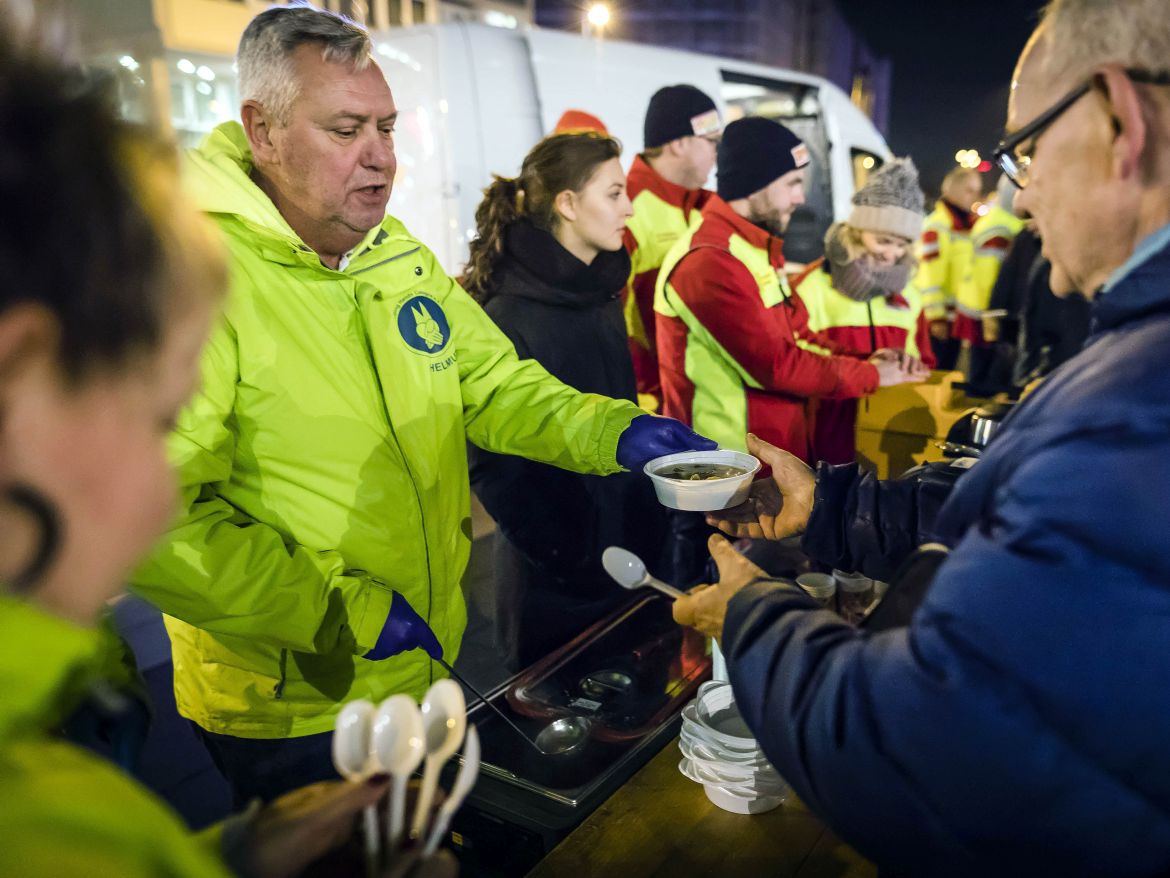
{"x":1011,"y":716}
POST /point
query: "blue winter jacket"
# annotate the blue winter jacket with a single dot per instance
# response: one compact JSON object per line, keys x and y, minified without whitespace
{"x":1021,"y":723}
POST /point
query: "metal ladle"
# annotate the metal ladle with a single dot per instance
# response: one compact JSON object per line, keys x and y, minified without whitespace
{"x":553,"y":740}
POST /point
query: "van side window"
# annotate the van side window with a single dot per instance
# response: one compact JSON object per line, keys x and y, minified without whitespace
{"x":798,"y":106}
{"x":864,"y":164}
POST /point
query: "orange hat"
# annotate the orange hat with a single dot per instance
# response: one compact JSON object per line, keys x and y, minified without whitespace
{"x":574,"y":121}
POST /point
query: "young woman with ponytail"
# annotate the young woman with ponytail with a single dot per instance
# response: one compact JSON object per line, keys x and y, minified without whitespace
{"x":548,"y":266}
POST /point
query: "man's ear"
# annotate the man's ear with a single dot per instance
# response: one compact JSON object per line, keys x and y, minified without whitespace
{"x":676,"y":147}
{"x":258,"y":126}
{"x":566,"y":205}
{"x":29,"y":337}
{"x":1129,"y":140}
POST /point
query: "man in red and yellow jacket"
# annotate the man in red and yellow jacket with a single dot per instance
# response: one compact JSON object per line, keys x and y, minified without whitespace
{"x":665,"y":184}
{"x":735,"y":351}
{"x":944,"y":258}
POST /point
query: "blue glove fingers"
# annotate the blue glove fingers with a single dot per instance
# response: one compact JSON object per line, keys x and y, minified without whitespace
{"x":404,"y":630}
{"x":648,"y":437}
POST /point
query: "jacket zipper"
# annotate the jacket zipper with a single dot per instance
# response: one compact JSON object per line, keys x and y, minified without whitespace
{"x":278,"y":689}
{"x":402,"y":452}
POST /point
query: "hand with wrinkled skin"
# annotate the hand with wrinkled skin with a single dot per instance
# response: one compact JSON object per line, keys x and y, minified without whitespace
{"x":705,"y":606}
{"x":776,"y":507}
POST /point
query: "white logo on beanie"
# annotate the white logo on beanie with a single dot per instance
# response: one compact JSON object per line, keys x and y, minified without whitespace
{"x":706,"y":123}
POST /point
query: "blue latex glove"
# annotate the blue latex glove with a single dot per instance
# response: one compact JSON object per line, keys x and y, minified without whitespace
{"x":650,"y":436}
{"x":404,"y":630}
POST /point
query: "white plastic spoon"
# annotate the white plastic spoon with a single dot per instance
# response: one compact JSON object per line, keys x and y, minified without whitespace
{"x":464,"y":781}
{"x":397,"y":746}
{"x":628,"y":571}
{"x":444,"y":716}
{"x":351,"y":758}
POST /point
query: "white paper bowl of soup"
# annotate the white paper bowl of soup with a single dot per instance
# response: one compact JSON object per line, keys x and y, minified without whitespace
{"x":702,"y":481}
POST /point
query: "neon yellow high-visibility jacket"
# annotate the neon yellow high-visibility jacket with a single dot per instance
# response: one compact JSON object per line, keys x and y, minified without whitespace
{"x":64,"y":811}
{"x":323,"y":464}
{"x":991,"y":238}
{"x":944,"y":259}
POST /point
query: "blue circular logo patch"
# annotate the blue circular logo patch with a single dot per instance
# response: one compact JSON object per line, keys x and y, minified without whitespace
{"x":423,"y":325}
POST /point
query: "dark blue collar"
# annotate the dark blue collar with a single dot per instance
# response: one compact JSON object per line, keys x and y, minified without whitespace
{"x":1143,"y":290}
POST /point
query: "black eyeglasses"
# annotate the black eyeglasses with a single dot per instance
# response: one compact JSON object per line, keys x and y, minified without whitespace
{"x":1014,"y":161}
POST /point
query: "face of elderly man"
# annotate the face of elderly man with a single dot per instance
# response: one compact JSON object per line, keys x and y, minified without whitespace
{"x":331,"y":167}
{"x":1083,"y":189}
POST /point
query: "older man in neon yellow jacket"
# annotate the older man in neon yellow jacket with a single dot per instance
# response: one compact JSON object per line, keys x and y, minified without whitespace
{"x":323,"y":462}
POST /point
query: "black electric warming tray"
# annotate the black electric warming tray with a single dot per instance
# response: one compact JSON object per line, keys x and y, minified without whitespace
{"x":629,"y":675}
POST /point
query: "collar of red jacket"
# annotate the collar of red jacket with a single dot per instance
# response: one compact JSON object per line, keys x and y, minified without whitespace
{"x":719,"y":211}
{"x":643,"y":177}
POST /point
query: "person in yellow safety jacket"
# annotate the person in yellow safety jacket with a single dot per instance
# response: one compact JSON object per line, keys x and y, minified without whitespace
{"x":665,"y":184}
{"x":991,"y":239}
{"x":944,"y":261}
{"x":860,"y":295}
{"x":100,"y":348}
{"x":325,"y":521}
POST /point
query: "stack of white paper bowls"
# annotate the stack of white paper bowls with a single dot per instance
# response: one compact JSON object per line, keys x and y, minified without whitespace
{"x":720,"y":753}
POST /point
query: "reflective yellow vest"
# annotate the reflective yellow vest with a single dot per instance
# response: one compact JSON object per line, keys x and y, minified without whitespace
{"x":663,"y":213}
{"x":991,"y":238}
{"x":944,"y":261}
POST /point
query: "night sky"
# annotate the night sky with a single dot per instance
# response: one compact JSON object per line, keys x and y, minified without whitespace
{"x":952,"y":68}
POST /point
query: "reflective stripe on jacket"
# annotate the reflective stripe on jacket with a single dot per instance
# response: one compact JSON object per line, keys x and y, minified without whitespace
{"x":323,"y":464}
{"x":944,"y":259}
{"x":991,"y":238}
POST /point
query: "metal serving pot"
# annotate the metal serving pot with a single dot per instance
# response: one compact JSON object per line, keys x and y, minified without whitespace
{"x":986,"y":421}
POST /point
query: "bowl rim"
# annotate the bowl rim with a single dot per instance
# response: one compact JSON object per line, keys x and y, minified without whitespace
{"x":689,"y":457}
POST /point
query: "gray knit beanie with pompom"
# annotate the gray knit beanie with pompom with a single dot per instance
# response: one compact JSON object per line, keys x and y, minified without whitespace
{"x":891,"y":201}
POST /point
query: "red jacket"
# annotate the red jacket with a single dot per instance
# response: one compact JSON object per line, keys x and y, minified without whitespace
{"x":894,"y":322}
{"x":735,"y":350}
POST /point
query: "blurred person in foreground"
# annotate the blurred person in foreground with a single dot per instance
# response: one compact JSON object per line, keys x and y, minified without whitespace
{"x":99,"y":348}
{"x":325,"y":519}
{"x":548,"y":265}
{"x":1016,"y":722}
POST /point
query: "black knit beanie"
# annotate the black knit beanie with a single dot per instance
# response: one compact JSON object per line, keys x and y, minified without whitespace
{"x":679,"y":111}
{"x":754,"y":152}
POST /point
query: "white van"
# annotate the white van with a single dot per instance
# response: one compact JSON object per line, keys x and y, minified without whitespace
{"x":473,"y":99}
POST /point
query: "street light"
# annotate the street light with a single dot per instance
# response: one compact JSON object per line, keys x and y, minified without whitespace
{"x":595,"y":19}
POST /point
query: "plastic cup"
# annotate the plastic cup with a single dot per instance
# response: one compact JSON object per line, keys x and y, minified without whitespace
{"x":821,"y":587}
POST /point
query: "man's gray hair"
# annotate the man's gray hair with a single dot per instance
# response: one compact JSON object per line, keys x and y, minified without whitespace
{"x":264,"y":60}
{"x":1084,"y":34}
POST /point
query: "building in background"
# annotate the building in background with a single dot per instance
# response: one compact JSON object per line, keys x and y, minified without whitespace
{"x":172,"y":59}
{"x":808,"y":35}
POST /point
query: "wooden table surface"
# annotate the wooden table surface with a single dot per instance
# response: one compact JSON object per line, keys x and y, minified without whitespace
{"x":661,"y":824}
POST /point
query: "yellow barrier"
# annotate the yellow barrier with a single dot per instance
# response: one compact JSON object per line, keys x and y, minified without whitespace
{"x":899,"y":427}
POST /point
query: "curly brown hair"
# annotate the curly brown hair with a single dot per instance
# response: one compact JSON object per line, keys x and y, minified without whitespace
{"x":558,"y":163}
